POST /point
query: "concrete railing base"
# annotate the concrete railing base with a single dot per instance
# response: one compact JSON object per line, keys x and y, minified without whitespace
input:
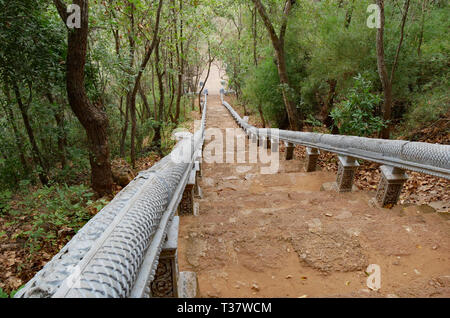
{"x":188,"y":285}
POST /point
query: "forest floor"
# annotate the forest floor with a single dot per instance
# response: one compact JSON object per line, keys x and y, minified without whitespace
{"x":279,"y":235}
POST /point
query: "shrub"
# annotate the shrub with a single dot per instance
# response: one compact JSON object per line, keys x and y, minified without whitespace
{"x":356,"y":114}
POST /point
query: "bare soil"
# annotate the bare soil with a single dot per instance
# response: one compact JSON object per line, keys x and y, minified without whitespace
{"x":281,"y":236}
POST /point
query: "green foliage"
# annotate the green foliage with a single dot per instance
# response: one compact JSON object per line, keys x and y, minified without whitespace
{"x":11,"y":295}
{"x":5,"y":197}
{"x":3,"y":294}
{"x":355,"y":115}
{"x":54,"y":213}
{"x":14,"y":292}
{"x":335,"y":52}
{"x":262,"y":87}
{"x":429,"y":107}
{"x":311,"y":120}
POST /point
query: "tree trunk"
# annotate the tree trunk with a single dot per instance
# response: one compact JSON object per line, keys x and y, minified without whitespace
{"x":148,"y":52}
{"x":17,"y":135}
{"x":255,"y":56}
{"x":180,"y":60}
{"x":37,"y":157}
{"x":131,"y":102}
{"x":278,"y":45}
{"x":156,"y":142}
{"x":146,"y":104}
{"x":155,"y":110}
{"x":62,"y":141}
{"x":348,"y":14}
{"x":284,"y":81}
{"x":386,"y":81}
{"x":210,"y":61}
{"x":124,"y":130}
{"x":422,"y":26}
{"x":326,"y":110}
{"x":92,"y":117}
{"x":382,"y":71}
{"x":133,"y":130}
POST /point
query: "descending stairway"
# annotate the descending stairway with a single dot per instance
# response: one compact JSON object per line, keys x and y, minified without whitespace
{"x":279,"y":235}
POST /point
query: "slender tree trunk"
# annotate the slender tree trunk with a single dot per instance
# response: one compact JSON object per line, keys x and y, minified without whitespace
{"x":92,"y":117}
{"x":155,"y":110}
{"x":37,"y":157}
{"x":180,"y":60}
{"x":382,"y":71}
{"x":386,"y":81}
{"x":278,"y":45}
{"x":171,"y":87}
{"x":145,"y":101}
{"x":422,"y":26}
{"x":325,"y":114}
{"x":133,"y":131}
{"x":255,"y":56}
{"x":59,"y":118}
{"x":197,"y":77}
{"x":148,"y":52}
{"x":210,"y":61}
{"x":124,"y":130}
{"x":284,"y":81}
{"x":17,"y":135}
{"x":156,"y":142}
{"x":349,"y":14}
{"x":131,"y":104}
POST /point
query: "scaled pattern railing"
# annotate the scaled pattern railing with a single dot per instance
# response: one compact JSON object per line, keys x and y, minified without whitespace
{"x":394,"y":155}
{"x":116,"y":253}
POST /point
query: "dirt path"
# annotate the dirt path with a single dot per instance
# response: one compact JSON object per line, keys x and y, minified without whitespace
{"x":280,"y":236}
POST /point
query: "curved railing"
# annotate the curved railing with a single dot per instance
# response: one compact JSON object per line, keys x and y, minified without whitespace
{"x":116,"y":253}
{"x":395,"y":155}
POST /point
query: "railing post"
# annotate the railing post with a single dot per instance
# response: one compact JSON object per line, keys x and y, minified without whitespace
{"x":346,"y":173}
{"x":187,"y":201}
{"x":390,"y":186}
{"x":312,"y":155}
{"x":289,"y":150}
{"x":165,"y":283}
{"x":194,"y":179}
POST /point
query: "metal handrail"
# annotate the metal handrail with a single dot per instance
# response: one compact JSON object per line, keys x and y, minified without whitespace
{"x":433,"y":159}
{"x":116,"y":253}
